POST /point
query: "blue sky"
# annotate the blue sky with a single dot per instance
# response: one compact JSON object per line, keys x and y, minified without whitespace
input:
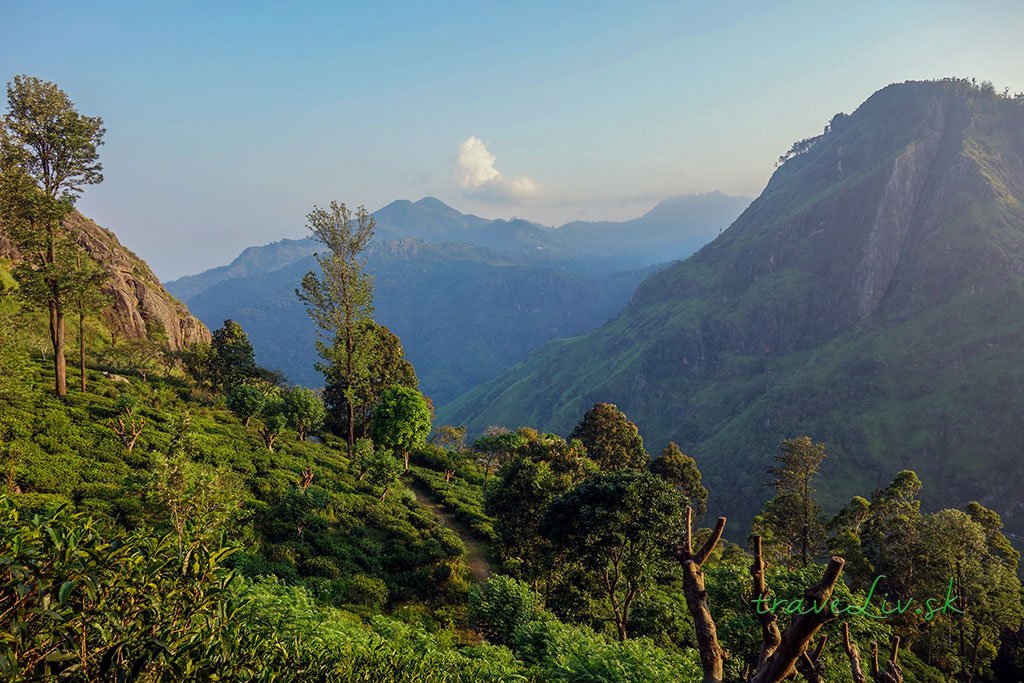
{"x":226,"y":124}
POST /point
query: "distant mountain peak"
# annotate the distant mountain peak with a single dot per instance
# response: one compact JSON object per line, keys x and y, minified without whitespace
{"x":434,"y":203}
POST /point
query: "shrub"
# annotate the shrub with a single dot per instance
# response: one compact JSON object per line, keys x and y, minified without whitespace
{"x":500,"y":606}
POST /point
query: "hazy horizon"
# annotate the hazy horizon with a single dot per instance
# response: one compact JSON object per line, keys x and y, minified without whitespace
{"x":225,"y":128}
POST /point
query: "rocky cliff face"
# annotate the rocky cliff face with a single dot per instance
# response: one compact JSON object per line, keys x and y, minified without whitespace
{"x":872,"y":297}
{"x":139,"y":302}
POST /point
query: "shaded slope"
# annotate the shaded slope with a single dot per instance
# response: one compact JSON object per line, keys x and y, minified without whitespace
{"x":463,"y":313}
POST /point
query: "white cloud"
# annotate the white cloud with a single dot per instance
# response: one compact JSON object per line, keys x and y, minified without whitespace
{"x":476,"y":175}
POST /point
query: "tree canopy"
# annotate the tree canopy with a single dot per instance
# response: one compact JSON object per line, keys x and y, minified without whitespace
{"x":401,"y":421}
{"x":611,"y":440}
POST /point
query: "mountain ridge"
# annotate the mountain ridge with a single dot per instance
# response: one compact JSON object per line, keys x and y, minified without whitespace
{"x":422,"y":220}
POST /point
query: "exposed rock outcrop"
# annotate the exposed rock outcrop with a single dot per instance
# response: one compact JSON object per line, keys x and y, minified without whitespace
{"x":140,"y":304}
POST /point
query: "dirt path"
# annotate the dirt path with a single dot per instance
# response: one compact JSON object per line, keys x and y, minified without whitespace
{"x":476,"y":552}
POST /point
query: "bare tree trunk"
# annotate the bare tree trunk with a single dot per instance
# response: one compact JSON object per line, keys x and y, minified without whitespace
{"x":795,"y":639}
{"x":60,"y":367}
{"x":892,"y":672}
{"x":352,"y":428}
{"x":770,"y":634}
{"x":60,"y":370}
{"x":854,"y":654}
{"x":810,"y":665}
{"x":81,"y":345}
{"x":712,"y":656}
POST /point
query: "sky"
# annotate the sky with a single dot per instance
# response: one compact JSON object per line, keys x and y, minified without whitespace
{"x":227,"y":122}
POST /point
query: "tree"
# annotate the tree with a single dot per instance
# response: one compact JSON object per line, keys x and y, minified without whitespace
{"x":792,"y":520}
{"x":620,"y":526}
{"x":87,"y":298}
{"x":496,"y":447}
{"x":450,"y":438}
{"x":964,"y":562}
{"x":48,"y":153}
{"x":611,"y":440}
{"x":233,"y":359}
{"x":889,"y":537}
{"x":197,"y":359}
{"x":246,"y":402}
{"x":546,"y":466}
{"x":304,"y":410}
{"x":401,"y":421}
{"x":780,"y":650}
{"x":386,"y":367}
{"x":272,"y":421}
{"x":340,"y":298}
{"x":844,"y":540}
{"x":681,"y":471}
{"x":382,"y":469}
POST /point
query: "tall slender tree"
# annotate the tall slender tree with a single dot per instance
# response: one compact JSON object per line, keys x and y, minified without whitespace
{"x":88,"y":297}
{"x":340,"y":298}
{"x":792,"y":521}
{"x":48,"y":153}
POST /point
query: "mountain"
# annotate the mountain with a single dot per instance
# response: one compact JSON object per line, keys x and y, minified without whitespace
{"x":468,"y":296}
{"x":872,"y":296}
{"x":673,"y":229}
{"x":252,"y":261}
{"x":139,"y":303}
{"x":463,"y":313}
{"x":678,"y":226}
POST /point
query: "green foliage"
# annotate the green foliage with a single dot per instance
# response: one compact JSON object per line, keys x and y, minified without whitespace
{"x":48,"y":153}
{"x":518,"y":498}
{"x":497,"y":447}
{"x":246,"y":401}
{"x":14,"y":353}
{"x":386,"y":366}
{"x":500,"y":606}
{"x":304,"y":410}
{"x":271,"y":421}
{"x":83,"y":605}
{"x":681,"y":471}
{"x":378,"y":466}
{"x":232,"y":359}
{"x":611,"y":440}
{"x":198,"y":361}
{"x":401,"y":420}
{"x":791,"y":523}
{"x":621,"y":527}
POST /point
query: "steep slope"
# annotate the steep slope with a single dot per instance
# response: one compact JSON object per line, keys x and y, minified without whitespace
{"x":140,"y":304}
{"x":463,"y":313}
{"x":872,"y":296}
